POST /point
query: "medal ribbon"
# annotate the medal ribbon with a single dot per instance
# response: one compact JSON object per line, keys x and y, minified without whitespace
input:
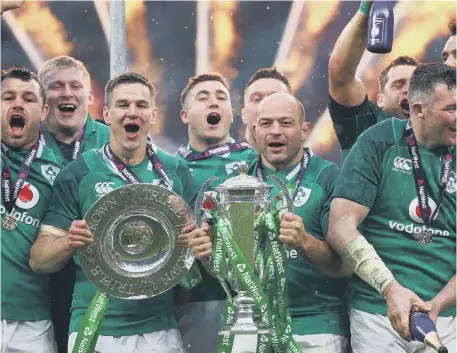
{"x":303,"y":166}
{"x":10,"y":191}
{"x":190,"y":156}
{"x":79,"y":138}
{"x":128,"y":174}
{"x":420,"y":179}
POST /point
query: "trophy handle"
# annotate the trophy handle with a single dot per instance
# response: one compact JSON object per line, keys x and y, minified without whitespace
{"x":200,"y":199}
{"x":289,"y":201}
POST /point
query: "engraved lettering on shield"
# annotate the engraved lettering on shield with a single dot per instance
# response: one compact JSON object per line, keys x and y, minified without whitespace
{"x":90,"y":253}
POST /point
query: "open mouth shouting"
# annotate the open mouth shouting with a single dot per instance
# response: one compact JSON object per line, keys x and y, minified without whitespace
{"x":213,"y":119}
{"x":276,"y":146}
{"x":404,"y":105}
{"x":67,"y":109}
{"x":17,"y":124}
{"x":132,"y":129}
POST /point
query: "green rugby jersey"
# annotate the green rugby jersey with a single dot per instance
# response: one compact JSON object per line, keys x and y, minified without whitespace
{"x":221,"y":166}
{"x":96,"y":135}
{"x":317,"y":303}
{"x":350,"y":122}
{"x":76,"y":189}
{"x":26,"y":295}
{"x":378,"y":174}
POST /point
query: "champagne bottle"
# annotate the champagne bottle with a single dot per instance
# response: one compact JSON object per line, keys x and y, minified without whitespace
{"x":423,"y":329}
{"x":380,"y":27}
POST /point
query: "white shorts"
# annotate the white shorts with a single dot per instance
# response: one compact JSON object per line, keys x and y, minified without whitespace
{"x":27,"y":336}
{"x":153,"y":342}
{"x":322,"y":343}
{"x":372,"y":333}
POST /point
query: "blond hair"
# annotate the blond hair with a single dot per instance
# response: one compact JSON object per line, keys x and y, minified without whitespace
{"x":62,"y":62}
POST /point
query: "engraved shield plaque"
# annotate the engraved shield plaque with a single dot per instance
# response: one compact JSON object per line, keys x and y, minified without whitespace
{"x":136,"y":254}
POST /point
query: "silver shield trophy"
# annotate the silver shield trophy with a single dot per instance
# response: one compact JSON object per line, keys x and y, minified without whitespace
{"x":136,"y":254}
{"x":241,"y":200}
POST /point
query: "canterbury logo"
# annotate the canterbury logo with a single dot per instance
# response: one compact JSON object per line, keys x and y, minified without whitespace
{"x":403,"y":164}
{"x":104,"y":187}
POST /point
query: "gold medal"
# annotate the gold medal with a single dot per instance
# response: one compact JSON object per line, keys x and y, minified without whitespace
{"x":9,"y":222}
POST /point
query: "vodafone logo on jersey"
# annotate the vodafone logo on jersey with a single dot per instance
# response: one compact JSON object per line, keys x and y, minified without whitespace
{"x":28,"y":197}
{"x":415,"y":209}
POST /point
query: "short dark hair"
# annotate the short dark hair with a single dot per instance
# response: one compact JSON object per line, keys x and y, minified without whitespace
{"x":451,"y":27}
{"x":126,"y":78}
{"x":25,"y":75}
{"x":401,"y":60}
{"x":269,"y":72}
{"x":193,"y":81}
{"x":425,"y":78}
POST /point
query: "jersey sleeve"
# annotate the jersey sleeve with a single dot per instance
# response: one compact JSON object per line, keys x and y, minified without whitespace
{"x":350,"y":122}
{"x":189,"y":187}
{"x":64,"y":207}
{"x":327,"y":180}
{"x":361,"y":172}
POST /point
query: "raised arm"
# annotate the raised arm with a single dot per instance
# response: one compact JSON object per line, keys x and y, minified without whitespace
{"x":344,"y":87}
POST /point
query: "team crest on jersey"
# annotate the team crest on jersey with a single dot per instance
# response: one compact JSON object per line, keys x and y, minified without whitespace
{"x":415,"y":209}
{"x":451,"y":186}
{"x":50,"y":172}
{"x":232,"y":167}
{"x":302,"y":197}
{"x":162,"y":183}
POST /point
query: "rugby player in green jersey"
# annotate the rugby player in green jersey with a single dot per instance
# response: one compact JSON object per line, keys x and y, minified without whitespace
{"x":351,"y":111}
{"x":264,"y":82}
{"x":208,"y":113}
{"x":129,"y":325}
{"x":69,"y":130}
{"x":28,"y":172}
{"x":398,"y":182}
{"x":316,"y":281}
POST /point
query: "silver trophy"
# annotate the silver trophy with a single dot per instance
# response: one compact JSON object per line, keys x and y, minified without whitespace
{"x":241,"y":200}
{"x":136,"y":254}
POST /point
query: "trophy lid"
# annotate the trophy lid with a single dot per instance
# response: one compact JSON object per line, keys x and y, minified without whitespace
{"x":243,"y":181}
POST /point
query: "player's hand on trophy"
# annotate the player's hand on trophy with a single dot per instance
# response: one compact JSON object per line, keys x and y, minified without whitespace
{"x":184,"y":237}
{"x":399,"y":303}
{"x":292,"y":230}
{"x":79,"y":234}
{"x":10,"y":4}
{"x":200,"y":242}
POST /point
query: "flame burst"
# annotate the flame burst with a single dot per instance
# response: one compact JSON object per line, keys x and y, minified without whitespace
{"x":139,"y":44}
{"x":44,"y":28}
{"x":302,"y":56}
{"x":225,"y":40}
